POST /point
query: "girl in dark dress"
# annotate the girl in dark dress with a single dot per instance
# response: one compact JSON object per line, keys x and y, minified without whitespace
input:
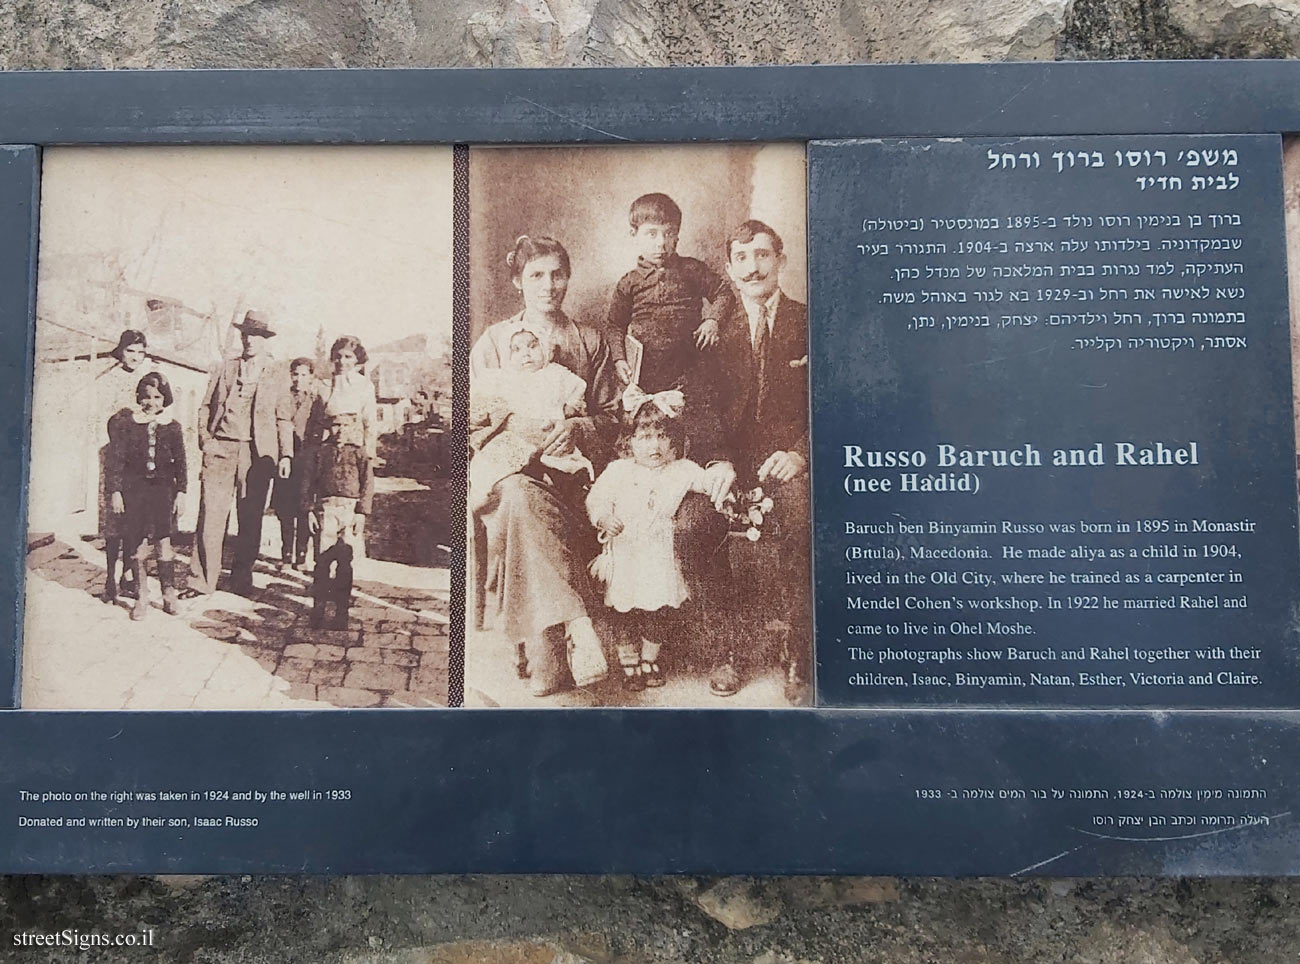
{"x":114,"y":390}
{"x":147,"y":477}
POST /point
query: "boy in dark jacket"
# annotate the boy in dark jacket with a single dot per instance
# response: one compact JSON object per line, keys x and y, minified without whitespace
{"x":673,"y":305}
{"x":287,"y":496}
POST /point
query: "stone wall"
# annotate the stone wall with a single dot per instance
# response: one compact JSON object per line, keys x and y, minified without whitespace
{"x":58,"y":34}
{"x":572,"y":920}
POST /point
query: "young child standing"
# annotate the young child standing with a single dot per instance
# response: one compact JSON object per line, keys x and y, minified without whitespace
{"x":339,"y":478}
{"x":287,"y":496}
{"x":661,"y":302}
{"x":514,"y":408}
{"x":147,"y":479}
{"x":114,"y":390}
{"x":632,"y":505}
{"x":339,"y":486}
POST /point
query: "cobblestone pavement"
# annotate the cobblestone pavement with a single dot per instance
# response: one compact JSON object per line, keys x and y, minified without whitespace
{"x":231,"y":651}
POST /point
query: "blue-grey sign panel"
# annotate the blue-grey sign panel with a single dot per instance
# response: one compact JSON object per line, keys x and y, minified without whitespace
{"x":1054,"y":456}
{"x":922,"y":790}
{"x":767,"y":792}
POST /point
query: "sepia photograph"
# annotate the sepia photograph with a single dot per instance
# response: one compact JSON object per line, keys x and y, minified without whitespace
{"x":240,"y":485}
{"x":1291,"y":195}
{"x":638,"y":479}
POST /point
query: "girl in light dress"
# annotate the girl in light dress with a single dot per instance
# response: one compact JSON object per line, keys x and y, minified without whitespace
{"x":632,"y":505}
{"x":343,"y":414}
{"x":346,"y":402}
{"x":338,"y":477}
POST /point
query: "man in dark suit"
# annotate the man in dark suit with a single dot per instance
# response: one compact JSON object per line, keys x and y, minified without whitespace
{"x":762,"y":403}
{"x":246,"y":434}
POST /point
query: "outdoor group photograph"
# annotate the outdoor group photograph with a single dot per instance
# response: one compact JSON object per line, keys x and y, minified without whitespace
{"x":241,"y":486}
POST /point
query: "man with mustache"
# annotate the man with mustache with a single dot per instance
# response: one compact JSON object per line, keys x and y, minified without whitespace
{"x":763,"y":407}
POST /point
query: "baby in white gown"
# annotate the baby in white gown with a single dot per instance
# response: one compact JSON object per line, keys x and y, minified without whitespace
{"x":512,"y":411}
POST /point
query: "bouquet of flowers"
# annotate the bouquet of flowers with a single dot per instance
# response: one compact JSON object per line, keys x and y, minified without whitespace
{"x":747,"y":510}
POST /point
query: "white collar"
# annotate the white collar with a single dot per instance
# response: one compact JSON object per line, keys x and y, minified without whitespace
{"x":354,"y":377}
{"x":162,"y":418}
{"x":754,"y":310}
{"x":120,"y":370}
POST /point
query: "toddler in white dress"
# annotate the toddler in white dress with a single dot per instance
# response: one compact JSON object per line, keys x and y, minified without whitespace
{"x":632,"y":504}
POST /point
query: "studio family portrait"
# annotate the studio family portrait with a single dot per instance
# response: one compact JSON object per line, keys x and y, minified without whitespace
{"x":638,"y":480}
{"x":240,"y":480}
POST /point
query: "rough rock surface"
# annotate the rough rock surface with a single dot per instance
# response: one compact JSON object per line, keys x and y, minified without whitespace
{"x":616,"y":920}
{"x":1243,"y":28}
{"x":620,"y":920}
{"x":511,"y":33}
{"x":60,"y":34}
{"x":1180,"y":29}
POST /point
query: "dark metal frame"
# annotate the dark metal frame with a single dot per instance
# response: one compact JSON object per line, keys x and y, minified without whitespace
{"x":611,"y":790}
{"x":583,"y":105}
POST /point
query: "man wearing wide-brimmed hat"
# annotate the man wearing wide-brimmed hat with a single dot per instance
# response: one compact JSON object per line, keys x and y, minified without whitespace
{"x":246,"y":434}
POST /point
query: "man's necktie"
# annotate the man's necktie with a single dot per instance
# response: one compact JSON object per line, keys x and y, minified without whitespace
{"x":760,"y":351}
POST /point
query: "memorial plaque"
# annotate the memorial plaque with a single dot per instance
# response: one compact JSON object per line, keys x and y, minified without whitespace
{"x":1053,"y":454}
{"x":1024,"y":375}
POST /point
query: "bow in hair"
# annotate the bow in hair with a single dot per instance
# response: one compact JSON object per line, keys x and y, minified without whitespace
{"x":670,"y":401}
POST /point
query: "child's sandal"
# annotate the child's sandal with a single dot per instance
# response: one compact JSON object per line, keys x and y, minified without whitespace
{"x":632,"y":681}
{"x":650,"y":675}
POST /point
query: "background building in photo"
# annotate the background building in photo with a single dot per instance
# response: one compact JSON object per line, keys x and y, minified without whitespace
{"x":180,"y":243}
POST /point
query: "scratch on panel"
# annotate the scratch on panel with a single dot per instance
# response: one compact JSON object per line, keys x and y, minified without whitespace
{"x":1106,"y":836}
{"x":570,"y":120}
{"x":1044,"y":863}
{"x":1006,"y":103}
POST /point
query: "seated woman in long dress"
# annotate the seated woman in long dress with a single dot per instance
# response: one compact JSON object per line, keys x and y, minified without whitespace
{"x":538,"y":539}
